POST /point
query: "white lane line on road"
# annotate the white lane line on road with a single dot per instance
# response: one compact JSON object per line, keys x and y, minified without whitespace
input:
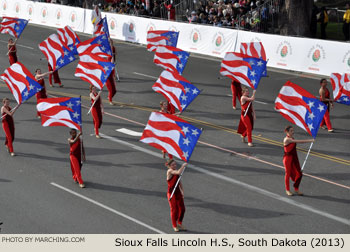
{"x":146,"y":75}
{"x":108,"y":208}
{"x":28,"y":47}
{"x":261,"y":102}
{"x":129,"y":132}
{"x":239,"y":183}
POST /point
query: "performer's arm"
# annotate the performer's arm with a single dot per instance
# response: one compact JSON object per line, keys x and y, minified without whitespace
{"x":39,"y":76}
{"x":10,"y":113}
{"x":72,"y":141}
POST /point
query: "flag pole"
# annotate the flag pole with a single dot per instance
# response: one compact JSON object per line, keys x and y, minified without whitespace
{"x":98,"y":95}
{"x":245,"y":113}
{"x":11,"y":110}
{"x":177,"y":183}
{"x":307,"y":155}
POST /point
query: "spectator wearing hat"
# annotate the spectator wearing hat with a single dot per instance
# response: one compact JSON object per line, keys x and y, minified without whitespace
{"x":96,"y":16}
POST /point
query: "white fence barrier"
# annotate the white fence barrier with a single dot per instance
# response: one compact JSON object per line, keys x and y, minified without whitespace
{"x":291,"y":53}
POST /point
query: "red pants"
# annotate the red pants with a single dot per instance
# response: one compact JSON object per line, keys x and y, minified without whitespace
{"x":248,"y":128}
{"x":9,"y":138}
{"x":293,"y":172}
{"x":12,"y":59}
{"x":326,"y":121}
{"x":236,"y":92}
{"x":177,"y":209}
{"x":75,"y":167}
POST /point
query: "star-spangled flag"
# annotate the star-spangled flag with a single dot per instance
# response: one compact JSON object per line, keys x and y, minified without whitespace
{"x":341,"y":88}
{"x":300,"y":108}
{"x":13,"y":26}
{"x":102,"y":27}
{"x":171,"y":58}
{"x":243,"y":69}
{"x":21,"y":82}
{"x":255,"y":50}
{"x":94,"y":65}
{"x":176,"y":89}
{"x":161,"y":38}
{"x":171,"y":134}
{"x":62,"y":111}
{"x":57,"y":54}
{"x":69,"y":38}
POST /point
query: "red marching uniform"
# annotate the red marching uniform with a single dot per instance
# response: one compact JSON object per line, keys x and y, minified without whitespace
{"x":41,"y":94}
{"x":96,"y":112}
{"x":12,"y":54}
{"x":56,"y":77}
{"x":246,"y":123}
{"x":9,"y":129}
{"x":326,"y":119}
{"x":75,"y":160}
{"x":236,"y":92}
{"x":110,"y":83}
{"x":292,"y":166}
{"x":177,"y":206}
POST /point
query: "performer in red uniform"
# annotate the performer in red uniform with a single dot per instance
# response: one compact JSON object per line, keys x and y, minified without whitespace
{"x":246,"y":123}
{"x":325,"y":98}
{"x":291,"y":161}
{"x":236,"y":92}
{"x":97,"y":109}
{"x":177,"y":206}
{"x":8,"y":124}
{"x":164,"y":108}
{"x":56,"y":77}
{"x":75,"y":156}
{"x":12,"y":51}
{"x":110,"y":83}
{"x":42,"y":93}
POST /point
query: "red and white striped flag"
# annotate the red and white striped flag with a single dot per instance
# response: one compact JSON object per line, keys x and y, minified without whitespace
{"x":69,"y":38}
{"x":253,"y":49}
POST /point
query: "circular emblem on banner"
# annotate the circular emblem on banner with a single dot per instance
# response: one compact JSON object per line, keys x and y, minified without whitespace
{"x":131,"y":27}
{"x":218,"y":41}
{"x":58,"y":14}
{"x":4,"y":6}
{"x":44,"y":12}
{"x":112,"y":24}
{"x":284,"y":51}
{"x":195,"y":37}
{"x":173,"y":28}
{"x":348,"y":62}
{"x":316,"y":55}
{"x":73,"y":16}
{"x":17,"y":7}
{"x":30,"y":10}
{"x":151,"y":27}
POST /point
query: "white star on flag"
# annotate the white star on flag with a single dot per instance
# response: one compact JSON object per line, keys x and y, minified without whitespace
{"x":184,"y":97}
{"x":253,"y":82}
{"x":186,"y":154}
{"x":78,"y":102}
{"x":310,"y":126}
{"x":26,"y":93}
{"x":187,"y":90}
{"x":31,"y":87}
{"x":174,"y":35}
{"x":186,"y":141}
{"x":71,"y":48}
{"x":99,"y":42}
{"x":320,"y":108}
{"x":70,"y":105}
{"x":61,"y":61}
{"x":71,"y":58}
{"x":260,"y":63}
{"x":252,"y":73}
{"x":106,"y":68}
{"x":75,"y":115}
{"x":183,"y":106}
{"x":17,"y":28}
{"x":345,"y":98}
{"x":103,"y":48}
{"x":180,"y":56}
{"x":194,"y":91}
{"x":251,"y":63}
{"x":185,"y":130}
{"x":311,"y":104}
{"x":66,"y":53}
{"x":311,"y":116}
{"x":181,"y":65}
{"x":38,"y":90}
{"x":195,"y":132}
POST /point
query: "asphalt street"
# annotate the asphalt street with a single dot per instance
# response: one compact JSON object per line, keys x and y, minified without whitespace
{"x":229,"y":187}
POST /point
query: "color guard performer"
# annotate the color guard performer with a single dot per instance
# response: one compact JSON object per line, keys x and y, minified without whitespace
{"x":325,"y":98}
{"x":177,"y":206}
{"x":8,"y":124}
{"x":164,"y":108}
{"x":12,"y":51}
{"x":291,"y":161}
{"x":97,"y":109}
{"x":246,"y":123}
{"x":110,"y":83}
{"x":42,"y":93}
{"x":236,"y":92}
{"x":75,"y":156}
{"x":56,"y":77}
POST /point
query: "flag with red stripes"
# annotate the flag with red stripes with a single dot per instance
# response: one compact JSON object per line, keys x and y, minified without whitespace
{"x":57,"y":54}
{"x":102,"y":27}
{"x":300,"y":107}
{"x":21,"y":82}
{"x":13,"y":26}
{"x":69,"y":38}
{"x":171,"y":58}
{"x":171,"y":134}
{"x":62,"y":111}
{"x":255,"y":50}
{"x":161,"y":38}
{"x":341,"y":88}
{"x":176,"y":89}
